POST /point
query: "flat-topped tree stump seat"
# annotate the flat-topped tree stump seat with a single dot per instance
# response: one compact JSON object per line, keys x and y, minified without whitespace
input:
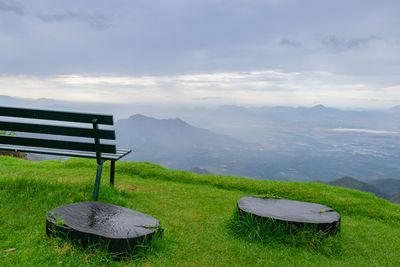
{"x":59,"y":124}
{"x":303,"y":215}
{"x":118,"y":229}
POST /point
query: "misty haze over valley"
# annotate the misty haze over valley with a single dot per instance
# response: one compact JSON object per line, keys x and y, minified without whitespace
{"x":280,"y":143}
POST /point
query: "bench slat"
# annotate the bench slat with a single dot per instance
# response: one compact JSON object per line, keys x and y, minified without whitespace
{"x":55,"y":115}
{"x":55,"y":130}
{"x":23,"y":141}
{"x":63,"y":152}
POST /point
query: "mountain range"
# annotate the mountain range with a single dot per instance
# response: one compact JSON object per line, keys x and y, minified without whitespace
{"x":281,"y":143}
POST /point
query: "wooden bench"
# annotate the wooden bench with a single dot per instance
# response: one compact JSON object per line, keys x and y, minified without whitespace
{"x":42,"y":144}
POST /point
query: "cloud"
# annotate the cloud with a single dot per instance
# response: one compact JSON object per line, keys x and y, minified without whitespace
{"x":288,"y":42}
{"x":13,"y":7}
{"x":263,"y":87}
{"x":97,"y":20}
{"x":336,"y":44}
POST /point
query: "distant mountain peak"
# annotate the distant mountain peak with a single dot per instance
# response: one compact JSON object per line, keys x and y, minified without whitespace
{"x":320,"y":106}
{"x":173,"y":122}
{"x":139,"y":116}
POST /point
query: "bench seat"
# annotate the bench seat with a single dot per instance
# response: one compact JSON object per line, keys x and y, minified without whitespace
{"x":64,"y":152}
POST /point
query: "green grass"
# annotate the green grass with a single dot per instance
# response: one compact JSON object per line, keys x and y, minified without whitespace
{"x":255,"y":228}
{"x":196,"y":212}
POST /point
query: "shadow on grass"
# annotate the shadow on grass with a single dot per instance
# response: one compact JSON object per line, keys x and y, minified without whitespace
{"x":277,"y":233}
{"x":99,"y":251}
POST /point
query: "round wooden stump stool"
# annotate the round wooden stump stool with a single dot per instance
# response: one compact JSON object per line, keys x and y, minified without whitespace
{"x":119,"y":229}
{"x":292,"y":212}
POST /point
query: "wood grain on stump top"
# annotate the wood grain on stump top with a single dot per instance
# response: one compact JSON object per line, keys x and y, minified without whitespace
{"x":292,"y":211}
{"x":119,"y":227}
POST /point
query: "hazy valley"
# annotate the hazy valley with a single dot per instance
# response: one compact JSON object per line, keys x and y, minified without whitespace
{"x":282,"y":143}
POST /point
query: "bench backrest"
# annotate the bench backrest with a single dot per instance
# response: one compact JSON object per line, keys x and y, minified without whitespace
{"x":94,"y":132}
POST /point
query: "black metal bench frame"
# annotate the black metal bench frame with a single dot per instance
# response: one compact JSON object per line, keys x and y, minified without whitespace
{"x":101,"y":152}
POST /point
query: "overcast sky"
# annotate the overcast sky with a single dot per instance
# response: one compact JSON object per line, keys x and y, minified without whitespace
{"x":245,"y":52}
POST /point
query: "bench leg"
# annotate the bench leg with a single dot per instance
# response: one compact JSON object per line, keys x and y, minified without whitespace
{"x":112,"y":171}
{"x":97,"y":182}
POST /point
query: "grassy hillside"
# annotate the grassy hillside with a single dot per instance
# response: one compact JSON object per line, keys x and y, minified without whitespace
{"x":352,"y":183}
{"x":193,"y":209}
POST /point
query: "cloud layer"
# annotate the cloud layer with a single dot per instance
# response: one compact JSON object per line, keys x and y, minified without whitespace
{"x":357,"y":39}
{"x":270,"y":87}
